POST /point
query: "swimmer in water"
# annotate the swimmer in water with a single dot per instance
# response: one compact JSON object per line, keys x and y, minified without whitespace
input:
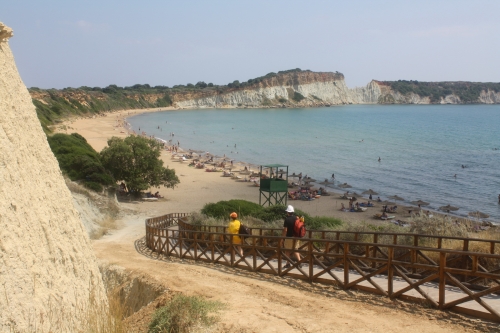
{"x":379,"y":159}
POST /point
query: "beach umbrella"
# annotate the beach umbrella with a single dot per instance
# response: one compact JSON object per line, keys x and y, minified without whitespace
{"x":293,"y":175}
{"x":325,"y":182}
{"x":345,"y":185}
{"x":447,"y":208}
{"x":479,"y":214}
{"x":309,"y":180}
{"x":420,"y":202}
{"x":370,"y":191}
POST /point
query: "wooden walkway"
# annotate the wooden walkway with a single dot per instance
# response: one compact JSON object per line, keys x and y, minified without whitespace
{"x":442,"y":278}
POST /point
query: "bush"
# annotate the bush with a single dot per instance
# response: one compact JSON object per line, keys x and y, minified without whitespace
{"x":93,"y":186}
{"x":322,"y":222}
{"x":79,"y":160}
{"x":222,"y":209}
{"x":269,"y":215}
{"x":183,"y":313}
{"x":297,"y":97}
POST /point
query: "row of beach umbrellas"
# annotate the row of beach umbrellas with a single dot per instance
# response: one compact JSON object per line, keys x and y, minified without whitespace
{"x":419,"y":202}
{"x":446,"y":208}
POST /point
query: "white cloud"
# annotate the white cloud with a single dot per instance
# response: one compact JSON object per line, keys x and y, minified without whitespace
{"x":86,"y":26}
{"x":450,"y":31}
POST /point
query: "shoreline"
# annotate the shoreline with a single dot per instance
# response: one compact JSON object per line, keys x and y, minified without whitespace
{"x":97,"y":130}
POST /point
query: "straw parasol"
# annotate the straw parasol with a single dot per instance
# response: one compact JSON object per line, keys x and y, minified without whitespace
{"x":420,"y":202}
{"x":479,"y":215}
{"x":447,"y":208}
{"x":370,"y":191}
{"x":395,"y":197}
{"x":345,"y":185}
{"x":309,"y":180}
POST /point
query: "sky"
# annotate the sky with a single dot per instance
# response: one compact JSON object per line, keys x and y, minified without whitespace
{"x":70,"y":43}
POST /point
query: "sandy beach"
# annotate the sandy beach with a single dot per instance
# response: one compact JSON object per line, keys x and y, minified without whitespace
{"x":198,"y":187}
{"x":256,"y":302}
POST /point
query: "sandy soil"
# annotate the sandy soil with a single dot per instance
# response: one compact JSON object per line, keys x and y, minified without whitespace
{"x":256,"y":302}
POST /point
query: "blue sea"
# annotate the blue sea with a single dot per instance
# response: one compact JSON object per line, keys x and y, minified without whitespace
{"x":421,"y":147}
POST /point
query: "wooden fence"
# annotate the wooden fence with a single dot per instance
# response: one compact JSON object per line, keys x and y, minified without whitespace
{"x":461,"y":274}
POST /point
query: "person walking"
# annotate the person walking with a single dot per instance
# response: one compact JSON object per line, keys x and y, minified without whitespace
{"x":290,"y":243}
{"x":234,"y":228}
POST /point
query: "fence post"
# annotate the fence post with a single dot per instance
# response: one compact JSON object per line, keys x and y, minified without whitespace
{"x":168,"y":242}
{"x":346,"y":265}
{"x":232,"y":249}
{"x":212,"y":246}
{"x":195,"y":246}
{"x":180,"y":242}
{"x":279,"y":256}
{"x":311,"y":260}
{"x":442,"y":279}
{"x":390,"y":271}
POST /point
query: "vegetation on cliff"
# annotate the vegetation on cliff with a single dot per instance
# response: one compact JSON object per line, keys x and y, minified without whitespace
{"x":468,"y":92}
{"x":53,"y":105}
{"x":79,"y":161}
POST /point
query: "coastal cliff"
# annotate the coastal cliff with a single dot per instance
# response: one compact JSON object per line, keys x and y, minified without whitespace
{"x":49,"y":272}
{"x":291,"y":88}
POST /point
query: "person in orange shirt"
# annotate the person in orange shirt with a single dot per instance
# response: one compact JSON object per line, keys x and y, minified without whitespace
{"x":234,"y":228}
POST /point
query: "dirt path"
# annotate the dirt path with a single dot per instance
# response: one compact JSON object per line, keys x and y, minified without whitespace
{"x":264,"y":303}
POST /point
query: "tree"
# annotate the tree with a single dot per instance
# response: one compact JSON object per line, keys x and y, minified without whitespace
{"x":136,"y":161}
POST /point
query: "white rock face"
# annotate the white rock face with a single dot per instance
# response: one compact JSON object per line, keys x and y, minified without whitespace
{"x":450,"y":99}
{"x":48,"y":269}
{"x":334,"y":92}
{"x":489,"y":97}
{"x":330,"y":92}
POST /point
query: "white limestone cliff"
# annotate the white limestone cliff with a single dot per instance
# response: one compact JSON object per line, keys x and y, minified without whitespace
{"x":330,"y":91}
{"x":48,"y":271}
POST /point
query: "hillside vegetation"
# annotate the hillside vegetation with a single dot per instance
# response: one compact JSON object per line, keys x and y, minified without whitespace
{"x":53,"y":105}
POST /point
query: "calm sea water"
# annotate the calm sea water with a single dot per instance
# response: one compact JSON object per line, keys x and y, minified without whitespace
{"x":421,"y":147}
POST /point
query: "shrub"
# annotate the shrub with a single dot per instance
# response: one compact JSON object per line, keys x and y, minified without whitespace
{"x":222,"y":209}
{"x":93,"y":186}
{"x":79,"y":160}
{"x":183,"y":313}
{"x":268,"y":215}
{"x":297,"y":97}
{"x":322,"y":222}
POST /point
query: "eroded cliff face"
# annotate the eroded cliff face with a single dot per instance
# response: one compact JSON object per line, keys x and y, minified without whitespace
{"x":48,"y":271}
{"x":316,"y":88}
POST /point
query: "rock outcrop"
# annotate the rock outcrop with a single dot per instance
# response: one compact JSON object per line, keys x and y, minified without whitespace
{"x":48,"y":272}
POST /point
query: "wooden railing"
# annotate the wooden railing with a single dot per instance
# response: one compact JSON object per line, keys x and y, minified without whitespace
{"x":446,"y":272}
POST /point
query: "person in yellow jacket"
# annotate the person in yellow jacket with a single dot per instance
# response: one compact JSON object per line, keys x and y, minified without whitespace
{"x":234,"y":228}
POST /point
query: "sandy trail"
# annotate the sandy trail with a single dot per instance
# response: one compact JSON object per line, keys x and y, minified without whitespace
{"x":256,"y":302}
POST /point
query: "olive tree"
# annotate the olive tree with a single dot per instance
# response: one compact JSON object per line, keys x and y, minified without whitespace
{"x":136,"y":161}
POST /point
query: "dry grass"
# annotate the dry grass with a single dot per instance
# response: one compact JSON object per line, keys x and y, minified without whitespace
{"x":97,"y":315}
{"x":105,"y":225}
